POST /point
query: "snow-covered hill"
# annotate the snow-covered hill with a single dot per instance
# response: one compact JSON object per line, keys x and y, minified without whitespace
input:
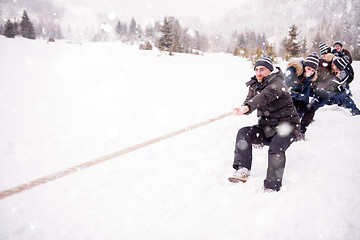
{"x":64,"y":104}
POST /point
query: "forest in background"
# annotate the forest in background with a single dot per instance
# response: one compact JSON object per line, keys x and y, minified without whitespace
{"x":240,"y":32}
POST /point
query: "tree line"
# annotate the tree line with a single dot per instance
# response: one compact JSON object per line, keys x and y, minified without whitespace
{"x":251,"y":46}
{"x":25,"y":28}
{"x":168,"y":35}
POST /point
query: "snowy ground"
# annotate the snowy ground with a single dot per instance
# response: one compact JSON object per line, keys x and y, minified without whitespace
{"x":64,"y":104}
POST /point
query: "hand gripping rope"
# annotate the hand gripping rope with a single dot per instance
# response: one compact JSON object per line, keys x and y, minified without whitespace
{"x":52,"y":177}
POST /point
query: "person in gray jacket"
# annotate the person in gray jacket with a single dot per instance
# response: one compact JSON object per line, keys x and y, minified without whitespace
{"x":278,"y":126}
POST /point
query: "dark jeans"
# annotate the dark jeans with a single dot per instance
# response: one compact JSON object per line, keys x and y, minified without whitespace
{"x":306,"y":112}
{"x":343,"y":99}
{"x":248,"y":136}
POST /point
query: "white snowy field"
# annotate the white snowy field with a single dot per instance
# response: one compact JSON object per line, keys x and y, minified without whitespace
{"x":64,"y":104}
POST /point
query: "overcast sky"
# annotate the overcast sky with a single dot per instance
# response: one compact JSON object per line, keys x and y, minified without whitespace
{"x":141,"y":10}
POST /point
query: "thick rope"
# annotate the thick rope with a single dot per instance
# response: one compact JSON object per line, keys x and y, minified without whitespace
{"x":52,"y":177}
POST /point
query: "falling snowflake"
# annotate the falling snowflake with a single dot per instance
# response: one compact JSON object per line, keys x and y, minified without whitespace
{"x":242,"y":145}
{"x":284,"y":129}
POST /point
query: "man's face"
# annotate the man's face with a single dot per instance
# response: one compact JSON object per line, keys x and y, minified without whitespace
{"x":338,"y":47}
{"x":334,"y":69}
{"x":260,"y":72}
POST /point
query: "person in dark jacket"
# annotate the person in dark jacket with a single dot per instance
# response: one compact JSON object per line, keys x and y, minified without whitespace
{"x":324,"y":76}
{"x":338,"y":86}
{"x":324,"y":49}
{"x":278,"y":124}
{"x":339,"y":51}
{"x":298,"y":76}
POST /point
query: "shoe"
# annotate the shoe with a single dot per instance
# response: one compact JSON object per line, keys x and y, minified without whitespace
{"x":240,"y":175}
{"x":356,"y":113}
{"x":301,"y":137}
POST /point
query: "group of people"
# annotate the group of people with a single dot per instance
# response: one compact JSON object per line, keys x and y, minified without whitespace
{"x":315,"y":82}
{"x":286,"y":104}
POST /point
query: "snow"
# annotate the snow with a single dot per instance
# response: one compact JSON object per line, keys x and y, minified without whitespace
{"x":64,"y":104}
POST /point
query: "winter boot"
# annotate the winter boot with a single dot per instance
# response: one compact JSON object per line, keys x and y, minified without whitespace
{"x":301,"y":137}
{"x":355,"y":113}
{"x":240,"y":175}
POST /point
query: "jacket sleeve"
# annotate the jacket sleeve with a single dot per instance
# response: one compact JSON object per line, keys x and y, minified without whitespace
{"x":290,"y":77}
{"x":299,"y":96}
{"x":347,"y":53}
{"x":350,"y":71}
{"x":340,"y":82}
{"x":270,"y":93}
{"x":295,"y":88}
{"x":249,"y":96}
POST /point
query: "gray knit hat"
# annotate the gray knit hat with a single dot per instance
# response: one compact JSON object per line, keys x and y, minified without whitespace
{"x":312,"y":61}
{"x":338,"y":42}
{"x":340,"y":63}
{"x":265,"y":61}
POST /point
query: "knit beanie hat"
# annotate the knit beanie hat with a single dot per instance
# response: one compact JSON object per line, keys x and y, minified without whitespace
{"x":265,"y":61}
{"x":324,"y":49}
{"x":340,"y":63}
{"x":312,"y":61}
{"x":338,"y":42}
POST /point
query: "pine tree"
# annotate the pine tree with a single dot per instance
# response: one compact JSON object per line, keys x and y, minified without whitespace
{"x":9,"y":31}
{"x":176,"y":32}
{"x":16,"y":27}
{"x":241,"y":41}
{"x":269,"y":50}
{"x":27,"y":28}
{"x":304,"y":49}
{"x":132,"y":27}
{"x":257,"y":54}
{"x":166,"y":40}
{"x":121,"y":29}
{"x":2,"y":28}
{"x":292,"y":45}
{"x":284,"y":52}
{"x":185,"y":40}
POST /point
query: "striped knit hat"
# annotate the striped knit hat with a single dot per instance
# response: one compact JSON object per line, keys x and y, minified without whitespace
{"x":265,"y":61}
{"x":324,"y":49}
{"x":340,"y":63}
{"x":312,"y":61}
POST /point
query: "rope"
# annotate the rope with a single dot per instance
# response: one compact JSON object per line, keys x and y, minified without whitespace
{"x":60,"y":174}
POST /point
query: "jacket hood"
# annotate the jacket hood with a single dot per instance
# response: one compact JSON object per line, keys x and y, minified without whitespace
{"x":299,"y":68}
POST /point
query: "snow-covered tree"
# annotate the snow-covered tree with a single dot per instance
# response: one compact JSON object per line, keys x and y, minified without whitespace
{"x":292,"y":45}
{"x":2,"y":28}
{"x":132,"y":27}
{"x":121,"y":29}
{"x":9,"y":30}
{"x":27,"y":28}
{"x":167,"y":38}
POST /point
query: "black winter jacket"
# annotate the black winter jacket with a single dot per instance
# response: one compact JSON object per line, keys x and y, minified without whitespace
{"x":298,"y":84}
{"x":273,"y":102}
{"x":344,"y":78}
